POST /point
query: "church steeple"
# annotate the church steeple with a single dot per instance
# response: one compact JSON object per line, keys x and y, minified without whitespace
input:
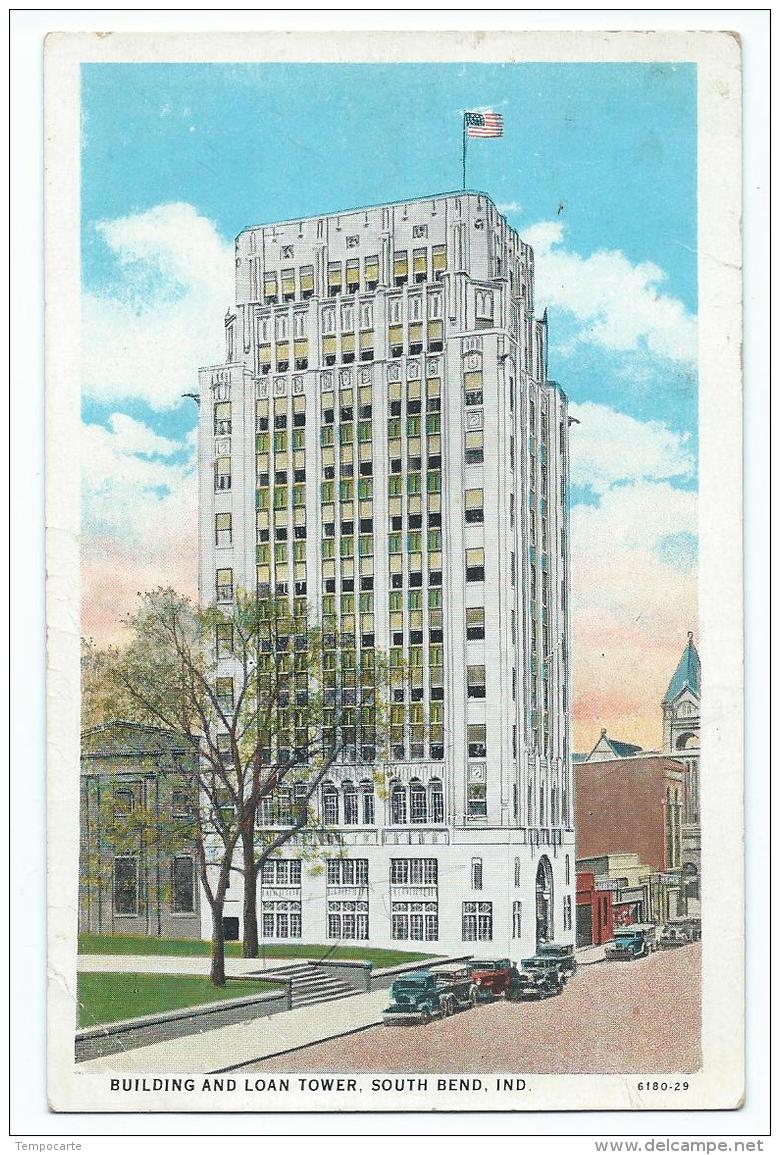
{"x":688,"y":673}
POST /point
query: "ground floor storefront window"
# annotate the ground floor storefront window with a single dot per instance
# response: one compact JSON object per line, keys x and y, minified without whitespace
{"x":477,"y":921}
{"x":418,"y":921}
{"x":281,"y":919}
{"x":347,"y":920}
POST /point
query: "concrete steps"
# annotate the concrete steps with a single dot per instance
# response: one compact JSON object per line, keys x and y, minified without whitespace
{"x":311,"y":985}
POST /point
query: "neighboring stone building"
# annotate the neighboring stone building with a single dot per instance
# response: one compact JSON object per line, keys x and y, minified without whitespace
{"x":682,"y":721}
{"x":383,"y":446}
{"x":137,"y":872}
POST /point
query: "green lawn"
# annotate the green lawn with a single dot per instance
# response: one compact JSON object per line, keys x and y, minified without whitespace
{"x":106,"y":997}
{"x":126,"y":944}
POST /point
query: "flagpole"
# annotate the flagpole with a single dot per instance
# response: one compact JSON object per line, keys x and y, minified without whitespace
{"x":464,"y":152}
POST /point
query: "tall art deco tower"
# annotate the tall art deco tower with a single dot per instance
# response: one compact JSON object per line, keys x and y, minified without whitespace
{"x":383,"y":441}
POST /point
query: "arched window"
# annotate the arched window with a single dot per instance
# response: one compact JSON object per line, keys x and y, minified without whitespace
{"x":436,"y":800}
{"x":350,"y":804}
{"x":330,"y":804}
{"x":367,"y":792}
{"x":418,"y":801}
{"x":398,"y":805}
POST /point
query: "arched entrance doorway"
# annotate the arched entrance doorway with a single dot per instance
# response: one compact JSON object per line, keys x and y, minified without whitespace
{"x":544,"y":901}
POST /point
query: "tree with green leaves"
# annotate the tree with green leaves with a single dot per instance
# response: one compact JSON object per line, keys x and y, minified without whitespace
{"x":270,"y":704}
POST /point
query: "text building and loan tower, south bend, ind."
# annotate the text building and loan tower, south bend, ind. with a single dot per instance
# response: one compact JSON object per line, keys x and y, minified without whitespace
{"x":383,"y":441}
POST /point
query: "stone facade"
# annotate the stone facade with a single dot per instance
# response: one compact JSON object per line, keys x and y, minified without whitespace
{"x":136,"y":874}
{"x":384,"y":444}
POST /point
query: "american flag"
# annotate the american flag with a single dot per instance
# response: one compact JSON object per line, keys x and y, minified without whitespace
{"x":483,"y":124}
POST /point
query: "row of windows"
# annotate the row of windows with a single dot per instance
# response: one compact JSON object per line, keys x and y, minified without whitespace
{"x":290,"y":284}
{"x":410,"y":921}
{"x":126,"y":889}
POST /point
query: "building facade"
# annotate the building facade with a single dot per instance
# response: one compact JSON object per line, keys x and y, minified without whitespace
{"x":595,"y":917}
{"x":382,"y":443}
{"x":631,"y":805}
{"x":137,"y":876}
{"x":681,"y":725}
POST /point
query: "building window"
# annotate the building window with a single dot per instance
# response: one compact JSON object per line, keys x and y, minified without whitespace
{"x":475,"y":623}
{"x":223,"y":529}
{"x":476,"y":874}
{"x":477,"y":922}
{"x":179,"y":803}
{"x":418,"y":802}
{"x":401,"y":267}
{"x":398,"y":805}
{"x":475,"y":447}
{"x":126,"y":885}
{"x":568,"y":870}
{"x":475,"y":565}
{"x":484,"y":303}
{"x":281,"y":919}
{"x":476,"y":740}
{"x":518,"y":872}
{"x":350,"y":805}
{"x":347,"y":920}
{"x":222,"y":473}
{"x":330,"y":805}
{"x":418,"y":921}
{"x":224,"y":585}
{"x":437,"y":800}
{"x":517,"y":920}
{"x":224,"y":639}
{"x":472,"y":383}
{"x":281,"y":872}
{"x":123,"y":803}
{"x":567,"y":912}
{"x":348,"y":872}
{"x":183,"y":885}
{"x":475,"y":681}
{"x":476,"y":800}
{"x":367,"y":792}
{"x":414,"y":871}
{"x":475,"y":513}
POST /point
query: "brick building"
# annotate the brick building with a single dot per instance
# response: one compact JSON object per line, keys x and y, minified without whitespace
{"x":631,"y":805}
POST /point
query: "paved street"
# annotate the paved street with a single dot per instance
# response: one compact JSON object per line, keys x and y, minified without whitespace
{"x":612,"y":1018}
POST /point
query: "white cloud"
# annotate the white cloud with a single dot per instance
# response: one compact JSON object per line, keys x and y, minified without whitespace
{"x":139,"y":519}
{"x":160,"y":321}
{"x":619,"y":305}
{"x":133,"y":436}
{"x":510,"y":207}
{"x":609,"y":447}
{"x":632,"y":605}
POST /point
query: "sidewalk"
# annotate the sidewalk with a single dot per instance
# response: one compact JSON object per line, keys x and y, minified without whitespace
{"x":589,"y":954}
{"x":177,"y":965}
{"x":226,"y":1047}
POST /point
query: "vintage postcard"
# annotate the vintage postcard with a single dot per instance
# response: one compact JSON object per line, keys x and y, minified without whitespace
{"x":395,"y":750}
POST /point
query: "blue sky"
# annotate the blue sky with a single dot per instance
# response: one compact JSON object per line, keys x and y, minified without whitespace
{"x":597,"y":167}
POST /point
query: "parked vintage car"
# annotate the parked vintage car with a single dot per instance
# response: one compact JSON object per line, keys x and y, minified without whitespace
{"x":692,"y":924}
{"x":539,"y":977}
{"x":564,"y":953}
{"x":673,"y":935}
{"x":631,"y":942}
{"x":420,"y":996}
{"x":457,"y":988}
{"x":494,"y":978}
